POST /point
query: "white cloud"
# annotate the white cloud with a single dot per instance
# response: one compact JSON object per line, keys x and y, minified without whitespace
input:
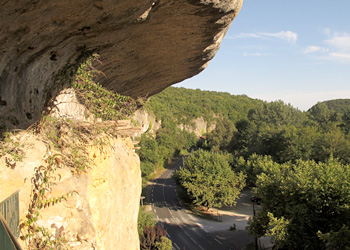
{"x":254,"y":54}
{"x":340,"y":42}
{"x":338,"y":47}
{"x":312,"y":49}
{"x":288,"y":36}
{"x":249,"y":35}
{"x":339,"y":57}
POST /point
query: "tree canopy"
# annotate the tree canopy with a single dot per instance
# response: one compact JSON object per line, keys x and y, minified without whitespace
{"x":304,"y":205}
{"x":209,"y":179}
{"x":183,"y":105}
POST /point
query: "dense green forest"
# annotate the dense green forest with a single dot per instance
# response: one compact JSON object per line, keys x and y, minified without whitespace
{"x":184,"y":105}
{"x":246,"y":126}
{"x":176,"y":106}
{"x":297,"y":162}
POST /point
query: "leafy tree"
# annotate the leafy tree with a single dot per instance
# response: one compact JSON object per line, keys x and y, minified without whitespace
{"x":156,"y":151}
{"x":209,"y":179}
{"x":253,"y":166}
{"x":336,"y":240}
{"x":277,"y":230}
{"x":245,"y":140}
{"x":154,"y":238}
{"x":164,"y":244}
{"x":346,"y":123}
{"x":332,"y":143}
{"x":221,"y":137}
{"x":276,"y":114}
{"x":289,"y":143}
{"x":149,"y":146}
{"x":152,"y":235}
{"x":145,"y":220}
{"x":308,"y":203}
{"x":298,"y":143}
{"x":320,"y":113}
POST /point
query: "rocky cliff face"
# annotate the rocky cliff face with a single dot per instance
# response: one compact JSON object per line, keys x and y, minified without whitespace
{"x":145,"y":46}
{"x":103,"y":212}
{"x":199,"y":127}
{"x":148,"y":122}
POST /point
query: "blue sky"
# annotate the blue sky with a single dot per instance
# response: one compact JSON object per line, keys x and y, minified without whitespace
{"x":295,"y":51}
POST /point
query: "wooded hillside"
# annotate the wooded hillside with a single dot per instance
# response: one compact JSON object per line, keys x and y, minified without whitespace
{"x":297,"y":162}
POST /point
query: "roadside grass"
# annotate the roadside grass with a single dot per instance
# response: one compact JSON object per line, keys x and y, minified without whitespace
{"x":156,"y":173}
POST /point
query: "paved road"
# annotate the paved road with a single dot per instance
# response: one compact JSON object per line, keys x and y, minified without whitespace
{"x":186,"y":231}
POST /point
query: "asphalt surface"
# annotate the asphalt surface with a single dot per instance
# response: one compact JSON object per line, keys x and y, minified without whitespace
{"x":186,"y":231}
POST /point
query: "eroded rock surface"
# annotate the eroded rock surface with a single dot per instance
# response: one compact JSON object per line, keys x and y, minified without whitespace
{"x":145,"y":46}
{"x":103,"y":213}
{"x":149,"y":123}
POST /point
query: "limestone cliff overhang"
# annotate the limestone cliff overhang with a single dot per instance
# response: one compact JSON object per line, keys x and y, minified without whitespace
{"x":144,"y":45}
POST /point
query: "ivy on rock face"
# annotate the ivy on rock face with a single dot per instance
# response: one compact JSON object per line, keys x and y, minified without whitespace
{"x":101,"y":102}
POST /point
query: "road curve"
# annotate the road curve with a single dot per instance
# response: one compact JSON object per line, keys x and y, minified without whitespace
{"x":184,"y":229}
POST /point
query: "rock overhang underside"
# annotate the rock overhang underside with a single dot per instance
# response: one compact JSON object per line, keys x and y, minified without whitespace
{"x":145,"y":46}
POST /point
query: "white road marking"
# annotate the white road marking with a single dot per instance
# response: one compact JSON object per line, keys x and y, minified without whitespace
{"x":176,"y":245}
{"x":196,"y":243}
{"x":202,"y":227}
{"x":218,"y":241}
{"x":201,"y":247}
{"x":177,"y":220}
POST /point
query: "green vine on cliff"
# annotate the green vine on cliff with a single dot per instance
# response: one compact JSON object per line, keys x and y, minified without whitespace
{"x":9,"y":146}
{"x":101,"y":102}
{"x":34,"y":235}
{"x":69,"y":139}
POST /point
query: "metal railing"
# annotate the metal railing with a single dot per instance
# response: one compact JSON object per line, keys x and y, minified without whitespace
{"x":9,"y":223}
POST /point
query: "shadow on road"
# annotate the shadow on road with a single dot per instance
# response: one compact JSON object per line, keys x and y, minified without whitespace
{"x":193,"y":237}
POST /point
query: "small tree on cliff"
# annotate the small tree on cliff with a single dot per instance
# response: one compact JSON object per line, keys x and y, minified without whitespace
{"x":209,"y":179}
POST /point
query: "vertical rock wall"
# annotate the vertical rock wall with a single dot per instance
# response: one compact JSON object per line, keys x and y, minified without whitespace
{"x":148,"y":122}
{"x":103,"y":213}
{"x":114,"y":190}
